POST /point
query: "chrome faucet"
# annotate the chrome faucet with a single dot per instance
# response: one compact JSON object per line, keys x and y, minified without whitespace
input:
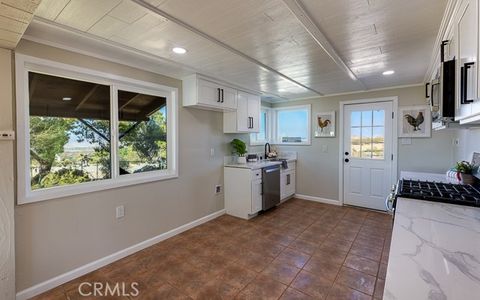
{"x":267,"y":145}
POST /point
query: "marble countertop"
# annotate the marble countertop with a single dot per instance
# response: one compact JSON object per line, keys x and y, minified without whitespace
{"x":435,"y":252}
{"x":257,"y":165}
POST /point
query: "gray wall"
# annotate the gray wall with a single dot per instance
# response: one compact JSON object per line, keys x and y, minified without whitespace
{"x":317,"y":172}
{"x":56,"y":236}
{"x":469,"y":142}
{"x":7,"y":185}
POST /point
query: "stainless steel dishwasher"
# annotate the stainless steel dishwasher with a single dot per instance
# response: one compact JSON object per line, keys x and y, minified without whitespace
{"x":271,"y":187}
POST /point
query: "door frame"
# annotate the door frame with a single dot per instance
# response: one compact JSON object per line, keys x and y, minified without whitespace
{"x":394,"y":100}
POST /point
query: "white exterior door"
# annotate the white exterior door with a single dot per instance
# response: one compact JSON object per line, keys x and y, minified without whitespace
{"x":368,"y":154}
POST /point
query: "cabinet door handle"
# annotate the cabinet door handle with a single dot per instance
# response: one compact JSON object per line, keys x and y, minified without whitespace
{"x":426,"y":90}
{"x":223,"y":96}
{"x":288,"y":179}
{"x":218,"y":90}
{"x":464,"y":83}
{"x":251,"y":122}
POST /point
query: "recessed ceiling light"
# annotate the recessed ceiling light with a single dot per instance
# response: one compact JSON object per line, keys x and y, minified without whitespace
{"x":389,"y":72}
{"x":179,"y":50}
{"x":67,"y":98}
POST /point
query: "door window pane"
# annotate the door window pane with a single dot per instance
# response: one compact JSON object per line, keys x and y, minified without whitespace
{"x":378,"y":143}
{"x":356,"y":119}
{"x":367,"y":118}
{"x":355,"y":141}
{"x":366,"y":142}
{"x":69,"y":131}
{"x":142,"y":132}
{"x":378,"y":118}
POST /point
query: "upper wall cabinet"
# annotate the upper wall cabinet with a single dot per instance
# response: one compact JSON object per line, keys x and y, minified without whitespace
{"x":247,"y":116}
{"x":466,"y":36}
{"x":200,"y":92}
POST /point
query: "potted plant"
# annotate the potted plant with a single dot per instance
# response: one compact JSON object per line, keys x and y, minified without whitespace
{"x":240,"y":149}
{"x":465,"y":170}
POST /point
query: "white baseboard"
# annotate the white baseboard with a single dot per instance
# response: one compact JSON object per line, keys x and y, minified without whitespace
{"x":318,"y":199}
{"x":80,"y":271}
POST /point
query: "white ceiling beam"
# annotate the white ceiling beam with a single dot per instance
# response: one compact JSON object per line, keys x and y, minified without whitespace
{"x":302,"y":15}
{"x":189,"y":27}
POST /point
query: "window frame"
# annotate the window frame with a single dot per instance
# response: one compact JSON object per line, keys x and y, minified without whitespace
{"x":268,"y":128}
{"x":25,"y":64}
{"x":272,"y":129}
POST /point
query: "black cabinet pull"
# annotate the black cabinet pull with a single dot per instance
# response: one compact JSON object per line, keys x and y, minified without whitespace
{"x":288,"y":179}
{"x":442,"y":51}
{"x":252,"y":122}
{"x":218,"y":90}
{"x":426,"y":90}
{"x":432,"y":98}
{"x":347,"y":160}
{"x":464,"y":83}
{"x":223,"y":97}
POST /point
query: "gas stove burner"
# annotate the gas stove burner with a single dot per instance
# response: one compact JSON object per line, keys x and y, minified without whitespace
{"x":440,"y":192}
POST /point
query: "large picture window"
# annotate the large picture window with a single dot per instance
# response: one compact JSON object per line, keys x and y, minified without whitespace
{"x":81,"y":132}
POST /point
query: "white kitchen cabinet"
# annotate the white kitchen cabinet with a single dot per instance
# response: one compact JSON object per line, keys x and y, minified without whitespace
{"x":203,"y":93}
{"x":247,"y":116}
{"x":466,"y":37}
{"x":257,"y":195}
{"x":243,"y":192}
{"x":288,"y":181}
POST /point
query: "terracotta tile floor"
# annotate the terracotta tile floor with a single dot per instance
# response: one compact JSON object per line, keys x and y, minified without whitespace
{"x":300,"y":250}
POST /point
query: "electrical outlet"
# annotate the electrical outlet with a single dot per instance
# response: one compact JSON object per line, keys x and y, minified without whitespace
{"x":218,"y":189}
{"x":120,"y":211}
{"x":7,"y":135}
{"x":212,"y":152}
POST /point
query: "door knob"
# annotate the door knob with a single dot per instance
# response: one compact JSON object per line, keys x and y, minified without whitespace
{"x":347,"y":160}
{"x":346,"y":153}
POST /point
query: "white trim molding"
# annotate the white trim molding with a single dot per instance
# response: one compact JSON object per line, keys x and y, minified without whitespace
{"x":92,"y":266}
{"x":318,"y":199}
{"x":394,"y":100}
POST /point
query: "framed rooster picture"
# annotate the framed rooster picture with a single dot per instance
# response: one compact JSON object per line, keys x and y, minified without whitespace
{"x":415,"y":121}
{"x":325,"y":124}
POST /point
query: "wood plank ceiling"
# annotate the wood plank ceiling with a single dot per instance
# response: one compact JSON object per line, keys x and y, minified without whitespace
{"x":15,"y":15}
{"x":262,"y":45}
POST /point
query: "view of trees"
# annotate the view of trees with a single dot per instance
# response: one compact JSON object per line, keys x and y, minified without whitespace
{"x":143,"y":147}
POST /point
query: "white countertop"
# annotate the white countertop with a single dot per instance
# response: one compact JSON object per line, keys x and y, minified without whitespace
{"x":435,"y":252}
{"x":427,"y":177}
{"x":257,"y":165}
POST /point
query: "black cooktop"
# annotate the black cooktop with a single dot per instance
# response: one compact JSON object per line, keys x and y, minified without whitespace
{"x":461,"y":194}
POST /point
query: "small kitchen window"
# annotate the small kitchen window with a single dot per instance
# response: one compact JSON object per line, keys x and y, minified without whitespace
{"x":293,"y":125}
{"x":81,"y":131}
{"x":284,"y":126}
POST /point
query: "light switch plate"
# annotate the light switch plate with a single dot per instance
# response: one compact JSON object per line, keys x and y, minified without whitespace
{"x":7,"y":135}
{"x":406,"y":141}
{"x":120,"y":211}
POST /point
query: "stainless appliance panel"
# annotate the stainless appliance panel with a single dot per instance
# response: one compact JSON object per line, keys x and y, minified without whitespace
{"x":271,"y":187}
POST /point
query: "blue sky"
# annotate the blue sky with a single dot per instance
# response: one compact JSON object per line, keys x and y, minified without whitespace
{"x":292,"y":123}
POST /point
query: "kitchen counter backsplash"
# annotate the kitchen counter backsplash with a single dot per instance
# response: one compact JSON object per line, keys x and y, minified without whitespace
{"x":289,"y":155}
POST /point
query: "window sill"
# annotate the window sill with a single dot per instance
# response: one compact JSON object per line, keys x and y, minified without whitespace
{"x":95,"y":186}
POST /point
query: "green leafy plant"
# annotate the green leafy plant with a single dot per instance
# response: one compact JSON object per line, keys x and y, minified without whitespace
{"x":239,"y":147}
{"x":464,"y":167}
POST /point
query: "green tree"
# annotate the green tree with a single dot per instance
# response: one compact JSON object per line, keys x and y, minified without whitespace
{"x":48,"y":136}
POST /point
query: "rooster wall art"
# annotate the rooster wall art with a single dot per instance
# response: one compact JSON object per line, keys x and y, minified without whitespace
{"x":415,"y":122}
{"x":325,"y":124}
